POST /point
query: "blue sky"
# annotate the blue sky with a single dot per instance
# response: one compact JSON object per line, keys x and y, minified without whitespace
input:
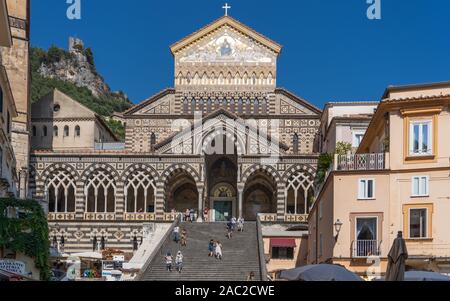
{"x":332,"y":52}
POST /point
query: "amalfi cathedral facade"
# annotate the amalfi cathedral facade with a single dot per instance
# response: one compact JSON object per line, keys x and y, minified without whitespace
{"x":225,"y":138}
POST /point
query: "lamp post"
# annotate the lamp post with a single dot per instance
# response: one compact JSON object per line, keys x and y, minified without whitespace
{"x":337,"y":227}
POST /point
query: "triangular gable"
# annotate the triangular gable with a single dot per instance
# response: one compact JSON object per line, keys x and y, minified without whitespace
{"x":183,"y":142}
{"x":292,"y":104}
{"x":67,"y":107}
{"x":155,"y":105}
{"x":223,"y":21}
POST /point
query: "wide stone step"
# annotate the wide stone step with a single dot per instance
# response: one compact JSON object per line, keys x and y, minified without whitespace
{"x":240,"y":255}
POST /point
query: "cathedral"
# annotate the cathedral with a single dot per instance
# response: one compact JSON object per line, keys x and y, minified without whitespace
{"x":225,"y":138}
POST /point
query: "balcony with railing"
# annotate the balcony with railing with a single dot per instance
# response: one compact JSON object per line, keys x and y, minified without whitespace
{"x":366,"y":248}
{"x":375,"y":161}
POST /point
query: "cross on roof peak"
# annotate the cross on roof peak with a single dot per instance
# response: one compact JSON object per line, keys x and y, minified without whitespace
{"x":226,"y":7}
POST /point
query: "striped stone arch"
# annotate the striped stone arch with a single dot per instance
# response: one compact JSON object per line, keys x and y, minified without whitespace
{"x":237,"y":139}
{"x":268,"y":169}
{"x":85,"y":175}
{"x":58,"y":166}
{"x":132,"y":168}
{"x":177,"y":167}
{"x":299,"y":168}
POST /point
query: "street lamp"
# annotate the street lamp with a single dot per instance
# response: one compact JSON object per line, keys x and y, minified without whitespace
{"x":337,"y":226}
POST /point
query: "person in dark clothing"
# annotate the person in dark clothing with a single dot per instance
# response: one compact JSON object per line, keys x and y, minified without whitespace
{"x":211,"y":248}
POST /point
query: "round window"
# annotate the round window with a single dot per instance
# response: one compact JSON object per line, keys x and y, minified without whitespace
{"x":56,"y":108}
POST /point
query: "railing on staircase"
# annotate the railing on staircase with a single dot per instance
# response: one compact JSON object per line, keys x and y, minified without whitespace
{"x":262,"y":259}
{"x":157,"y":250}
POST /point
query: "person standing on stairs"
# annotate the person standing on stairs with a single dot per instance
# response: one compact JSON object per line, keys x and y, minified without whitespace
{"x":183,"y":238}
{"x":176,"y":234}
{"x":205,"y":214}
{"x":169,"y":260}
{"x":192,"y":215}
{"x":233,"y":223}
{"x":229,"y":230}
{"x":218,"y":250}
{"x":211,"y":248}
{"x":179,"y":261}
{"x":241,"y":224}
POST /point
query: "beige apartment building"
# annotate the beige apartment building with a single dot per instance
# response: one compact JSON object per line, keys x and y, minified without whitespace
{"x":8,"y":175}
{"x":15,"y":62}
{"x":397,"y":181}
{"x":60,"y":123}
{"x":344,"y":122}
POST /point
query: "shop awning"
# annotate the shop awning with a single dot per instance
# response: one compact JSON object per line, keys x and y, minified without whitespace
{"x":283,"y":242}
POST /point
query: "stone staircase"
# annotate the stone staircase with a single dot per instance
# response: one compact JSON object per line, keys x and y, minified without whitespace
{"x":240,"y":255}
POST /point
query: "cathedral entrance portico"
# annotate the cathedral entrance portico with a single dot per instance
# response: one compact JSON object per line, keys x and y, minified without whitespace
{"x":223,"y":202}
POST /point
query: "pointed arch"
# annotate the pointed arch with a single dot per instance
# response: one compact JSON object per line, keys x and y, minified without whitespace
{"x":169,"y":171}
{"x":261,"y":79}
{"x":100,"y":190}
{"x":196,"y":78}
{"x":140,"y":188}
{"x":245,"y":79}
{"x":267,"y":169}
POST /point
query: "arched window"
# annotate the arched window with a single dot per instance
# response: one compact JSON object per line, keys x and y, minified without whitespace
{"x":60,"y":192}
{"x":264,"y":107}
{"x":201,"y":105}
{"x":55,"y":131}
{"x":185,"y":106}
{"x":295,"y":143}
{"x":209,"y":106}
{"x":77,"y":131}
{"x":100,"y":192}
{"x":44,"y":131}
{"x":248,"y":107}
{"x":256,"y":107}
{"x":300,"y":189}
{"x":140,"y":192}
{"x":193,"y":106}
{"x":232,"y":105}
{"x":66,"y":131}
{"x":34,"y":131}
{"x":240,"y":106}
{"x":152,"y":141}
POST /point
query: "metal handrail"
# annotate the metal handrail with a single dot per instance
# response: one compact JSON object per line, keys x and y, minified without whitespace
{"x":158,"y":248}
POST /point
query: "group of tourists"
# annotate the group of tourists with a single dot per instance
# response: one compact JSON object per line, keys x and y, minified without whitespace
{"x":180,"y":238}
{"x":189,"y":215}
{"x":234,"y":224}
{"x":178,"y":261}
{"x":215,"y":249}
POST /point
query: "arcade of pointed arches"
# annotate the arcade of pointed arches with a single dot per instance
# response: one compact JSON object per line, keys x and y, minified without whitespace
{"x":182,"y":186}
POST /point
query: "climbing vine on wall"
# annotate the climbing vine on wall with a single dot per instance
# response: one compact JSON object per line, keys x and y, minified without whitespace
{"x":26,"y":232}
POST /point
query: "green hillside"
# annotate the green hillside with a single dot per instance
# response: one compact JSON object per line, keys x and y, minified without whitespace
{"x":103,"y":105}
